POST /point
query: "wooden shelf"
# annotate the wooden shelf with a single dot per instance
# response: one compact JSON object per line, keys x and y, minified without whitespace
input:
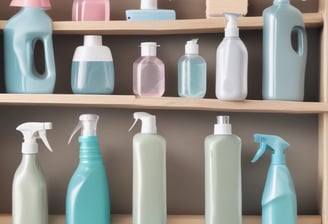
{"x":172,"y":219}
{"x":184,"y":26}
{"x":164,"y":103}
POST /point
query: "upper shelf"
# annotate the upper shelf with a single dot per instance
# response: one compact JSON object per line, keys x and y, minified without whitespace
{"x":185,"y":26}
{"x":165,"y":103}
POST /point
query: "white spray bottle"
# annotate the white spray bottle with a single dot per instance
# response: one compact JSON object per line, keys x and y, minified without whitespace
{"x":149,"y":173}
{"x":30,"y":199}
{"x":231,"y":63}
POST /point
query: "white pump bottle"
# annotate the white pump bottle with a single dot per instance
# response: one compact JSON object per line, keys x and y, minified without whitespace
{"x":231,"y":63}
{"x":149,"y":173}
{"x":29,"y":193}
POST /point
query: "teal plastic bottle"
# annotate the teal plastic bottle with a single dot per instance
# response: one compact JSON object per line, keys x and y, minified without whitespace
{"x":283,"y":63}
{"x":30,"y":25}
{"x":279,"y":204}
{"x":87,"y":199}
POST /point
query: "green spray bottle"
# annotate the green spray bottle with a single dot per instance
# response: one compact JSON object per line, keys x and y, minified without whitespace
{"x":279,"y":205}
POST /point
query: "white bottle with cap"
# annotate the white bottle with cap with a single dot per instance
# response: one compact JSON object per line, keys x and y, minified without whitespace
{"x":231,"y":63}
{"x":92,"y":69}
{"x":192,"y":72}
{"x":148,"y":72}
{"x":223,"y":201}
{"x":149,"y":173}
{"x":29,"y":190}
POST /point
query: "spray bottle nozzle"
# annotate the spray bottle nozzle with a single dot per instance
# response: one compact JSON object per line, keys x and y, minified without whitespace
{"x":32,"y":131}
{"x":148,"y":122}
{"x":274,"y":143}
{"x":87,"y":124}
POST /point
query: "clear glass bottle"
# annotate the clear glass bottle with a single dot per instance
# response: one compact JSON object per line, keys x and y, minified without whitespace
{"x":192,"y":72}
{"x":148,"y":72}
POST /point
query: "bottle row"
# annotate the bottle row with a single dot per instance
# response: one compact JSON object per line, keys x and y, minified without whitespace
{"x":88,"y":197}
{"x":93,"y":67}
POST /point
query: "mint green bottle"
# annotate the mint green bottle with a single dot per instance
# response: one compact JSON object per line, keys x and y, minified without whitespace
{"x":87,"y":199}
{"x":279,"y":205}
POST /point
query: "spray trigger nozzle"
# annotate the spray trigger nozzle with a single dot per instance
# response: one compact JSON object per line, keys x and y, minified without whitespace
{"x":32,"y":131}
{"x":148,"y":122}
{"x":87,"y":124}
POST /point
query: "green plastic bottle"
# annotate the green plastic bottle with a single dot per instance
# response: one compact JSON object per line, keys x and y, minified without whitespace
{"x":87,"y":199}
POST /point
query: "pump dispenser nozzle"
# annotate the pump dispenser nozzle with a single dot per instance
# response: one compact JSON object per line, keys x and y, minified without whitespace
{"x":32,"y":131}
{"x":274,"y":143}
{"x":148,"y":4}
{"x":148,"y":121}
{"x":192,"y":47}
{"x":231,"y":29}
{"x":87,"y":124}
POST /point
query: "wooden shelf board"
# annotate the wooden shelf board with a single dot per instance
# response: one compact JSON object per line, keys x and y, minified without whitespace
{"x":164,"y":103}
{"x":172,"y":219}
{"x":183,"y":26}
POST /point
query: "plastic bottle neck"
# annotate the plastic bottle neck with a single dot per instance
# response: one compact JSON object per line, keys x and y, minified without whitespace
{"x":29,"y":160}
{"x":89,"y":149}
{"x":277,"y":159}
{"x":281,"y":2}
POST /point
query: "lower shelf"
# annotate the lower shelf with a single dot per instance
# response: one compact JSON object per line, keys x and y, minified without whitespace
{"x":172,"y":219}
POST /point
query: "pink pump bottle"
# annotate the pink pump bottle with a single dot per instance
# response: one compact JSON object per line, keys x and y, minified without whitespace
{"x":148,"y":72}
{"x":91,"y":10}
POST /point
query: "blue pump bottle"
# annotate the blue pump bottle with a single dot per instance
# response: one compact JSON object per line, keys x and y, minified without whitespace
{"x":87,"y":199}
{"x":21,"y":33}
{"x":279,"y":205}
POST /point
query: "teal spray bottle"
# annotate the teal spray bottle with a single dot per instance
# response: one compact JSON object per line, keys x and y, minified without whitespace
{"x":87,"y":199}
{"x":29,"y":192}
{"x":21,"y":34}
{"x":279,"y":205}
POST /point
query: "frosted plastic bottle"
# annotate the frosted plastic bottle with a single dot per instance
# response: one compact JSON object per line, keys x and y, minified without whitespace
{"x":92,"y":68}
{"x":279,"y":204}
{"x":148,"y":72}
{"x":30,"y":25}
{"x":231,"y":64}
{"x":91,"y":10}
{"x":223,"y":196}
{"x":192,"y":72}
{"x":29,"y":193}
{"x":149,"y":173}
{"x":87,"y":199}
{"x":283,"y":64}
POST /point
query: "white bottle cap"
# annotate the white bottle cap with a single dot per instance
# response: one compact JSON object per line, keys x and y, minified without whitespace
{"x":148,"y":49}
{"x":223,"y":127}
{"x":87,"y":124}
{"x":92,"y":40}
{"x":148,"y":122}
{"x":231,"y":29}
{"x":148,"y":4}
{"x":192,"y":47}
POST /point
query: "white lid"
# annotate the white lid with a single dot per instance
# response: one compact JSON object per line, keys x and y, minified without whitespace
{"x":92,"y":40}
{"x":148,"y":49}
{"x":231,"y":29}
{"x":148,"y":122}
{"x":223,"y":127}
{"x":148,"y":4}
{"x":192,"y":47}
{"x":87,"y":124}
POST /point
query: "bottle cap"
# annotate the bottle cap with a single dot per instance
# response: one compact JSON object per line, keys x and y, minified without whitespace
{"x":192,"y":47}
{"x":222,"y":127}
{"x":92,"y":40}
{"x":148,"y":49}
{"x":32,"y":131}
{"x":231,"y":29}
{"x":148,"y":122}
{"x":148,"y":4}
{"x":87,"y":124}
{"x":45,"y":4}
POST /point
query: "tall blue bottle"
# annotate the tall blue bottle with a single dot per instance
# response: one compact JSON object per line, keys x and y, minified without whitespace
{"x":21,"y":33}
{"x":87,"y":199}
{"x":283,"y":64}
{"x":279,"y":204}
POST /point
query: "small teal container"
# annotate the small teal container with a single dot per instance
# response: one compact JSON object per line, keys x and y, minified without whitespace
{"x":92,"y":69}
{"x":21,"y":32}
{"x":87,"y":199}
{"x":279,"y":203}
{"x":283,"y":64}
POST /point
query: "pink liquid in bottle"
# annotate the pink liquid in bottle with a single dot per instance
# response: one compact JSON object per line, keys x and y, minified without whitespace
{"x":90,"y":10}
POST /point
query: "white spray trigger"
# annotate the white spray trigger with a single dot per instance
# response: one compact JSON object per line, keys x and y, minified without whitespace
{"x":88,"y":124}
{"x":76,"y":129}
{"x":148,"y":121}
{"x":43,"y":136}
